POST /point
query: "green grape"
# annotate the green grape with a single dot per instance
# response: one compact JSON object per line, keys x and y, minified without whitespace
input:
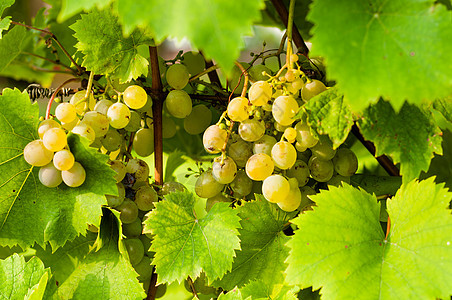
{"x":144,"y":269}
{"x":300,"y":171}
{"x":63,"y":160}
{"x":147,"y":242}
{"x":132,"y":229}
{"x":306,"y":191}
{"x":75,"y":176}
{"x":260,"y":93}
{"x":119,"y":167}
{"x":312,"y":89}
{"x":264,"y":145}
{"x":284,"y":109}
{"x":206,"y":186}
{"x":280,"y":127}
{"x":284,"y":155}
{"x":214,"y":139}
{"x":45,"y":125}
{"x":83,"y":106}
{"x":54,"y":139}
{"x":251,"y":130}
{"x":97,"y":121}
{"x":321,"y":170}
{"x":297,"y":84}
{"x":128,"y":211}
{"x":65,"y":112}
{"x":194,"y":62}
{"x":240,"y":151}
{"x":236,"y":79}
{"x":83,"y":129}
{"x":71,"y":125}
{"x":305,"y":155}
{"x":135,"y":249}
{"x":50,"y":176}
{"x":115,"y":201}
{"x":171,"y":187}
{"x":304,"y":136}
{"x":161,"y":290}
{"x":102,"y":106}
{"x":290,"y":134}
{"x":36,"y":154}
{"x":275,"y":188}
{"x":198,"y":120}
{"x":134,"y":122}
{"x":224,"y":170}
{"x":145,"y":198}
{"x":112,"y":140}
{"x":135,"y":96}
{"x":299,"y":147}
{"x":238,"y":109}
{"x":139,"y":169}
{"x":345,"y":162}
{"x":147,"y":108}
{"x":215,"y":199}
{"x":293,"y":200}
{"x":169,"y":128}
{"x":256,"y":72}
{"x":324,"y":148}
{"x":178,"y":103}
{"x":143,"y":142}
{"x":119,"y":115}
{"x":177,"y":76}
{"x":241,"y":185}
{"x":259,"y":166}
{"x":337,"y":180}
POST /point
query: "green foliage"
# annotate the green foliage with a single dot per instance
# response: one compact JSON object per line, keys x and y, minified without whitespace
{"x":373,"y":49}
{"x":444,"y":106}
{"x":185,"y":245}
{"x":258,"y":290}
{"x":11,"y":45}
{"x":340,"y":246}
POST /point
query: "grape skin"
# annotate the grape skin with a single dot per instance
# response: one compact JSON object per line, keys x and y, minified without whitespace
{"x":214,"y":138}
{"x":194,"y":62}
{"x":293,"y":200}
{"x":128,"y":211}
{"x":198,"y":120}
{"x":178,"y":103}
{"x":177,"y":76}
{"x":135,"y":96}
{"x":63,"y":160}
{"x":75,"y":176}
{"x":251,"y":130}
{"x":321,"y":170}
{"x":240,"y":151}
{"x":238,"y":109}
{"x":259,"y":166}
{"x":206,"y":186}
{"x":112,"y":140}
{"x":145,"y":198}
{"x":97,"y":121}
{"x":65,"y":112}
{"x":300,"y":171}
{"x":50,"y":176}
{"x":304,"y":136}
{"x":312,"y":89}
{"x":36,"y":154}
{"x":113,"y":200}
{"x":224,"y":172}
{"x":135,"y":249}
{"x":54,"y":139}
{"x":264,"y":145}
{"x":241,"y":185}
{"x":345,"y":162}
{"x":260,"y":93}
{"x":284,"y":109}
{"x":46,"y":125}
{"x":85,"y":105}
{"x":275,"y":188}
{"x":284,"y":155}
{"x":143,"y":142}
{"x":86,"y":131}
{"x":119,"y":115}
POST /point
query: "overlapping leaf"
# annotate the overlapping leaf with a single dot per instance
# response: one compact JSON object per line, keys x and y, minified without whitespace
{"x":29,"y":211}
{"x":258,"y":290}
{"x":444,"y":106}
{"x":185,"y":245}
{"x":105,"y":48}
{"x":373,"y":48}
{"x":341,"y":247}
{"x":11,"y":45}
{"x":262,"y":251}
{"x":409,"y":137}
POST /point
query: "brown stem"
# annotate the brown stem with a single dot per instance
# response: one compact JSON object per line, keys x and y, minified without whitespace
{"x":383,"y":160}
{"x":49,"y":104}
{"x":80,"y":70}
{"x":245,"y":84}
{"x":284,"y":15}
{"x":192,"y":287}
{"x":49,"y":60}
{"x":152,"y":286}
{"x":213,"y":76}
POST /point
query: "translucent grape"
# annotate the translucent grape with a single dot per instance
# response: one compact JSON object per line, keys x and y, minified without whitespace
{"x":144,"y":270}
{"x":324,"y":148}
{"x":293,"y":200}
{"x":128,"y":211}
{"x":345,"y":162}
{"x":54,"y":139}
{"x":71,"y":125}
{"x":259,"y":166}
{"x":275,"y":188}
{"x":299,"y":171}
{"x":214,"y":139}
{"x":312,"y":89}
{"x":85,"y":105}
{"x":119,"y":167}
{"x":147,"y":108}
{"x":65,"y":112}
{"x":50,"y":176}
{"x":143,"y":142}
{"x":75,"y":176}
{"x":139,"y":168}
{"x":238,"y":109}
{"x":304,"y":136}
{"x":134,"y":122}
{"x":132,"y":229}
{"x":240,"y":151}
{"x":290,"y":134}
{"x":113,"y":200}
{"x":206,"y":186}
{"x":264,"y":145}
{"x":135,"y":249}
{"x":169,"y":128}
{"x":63,"y":160}
{"x":135,"y":96}
{"x":251,"y":130}
{"x":86,"y":131}
{"x":284,"y":109}
{"x":102,"y":106}
{"x":194,"y":62}
{"x":177,"y":76}
{"x":97,"y":121}
{"x":119,"y":115}
{"x":224,"y":171}
{"x":215,"y":199}
{"x":198,"y":120}
{"x":321,"y":170}
{"x":171,"y":187}
{"x":112,"y":140}
{"x":145,"y":198}
{"x":36,"y":154}
{"x":241,"y":185}
{"x":178,"y":103}
{"x":284,"y":155}
{"x":46,"y":125}
{"x":260,"y":93}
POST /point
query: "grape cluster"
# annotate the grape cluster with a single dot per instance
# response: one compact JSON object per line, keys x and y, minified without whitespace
{"x":265,"y":149}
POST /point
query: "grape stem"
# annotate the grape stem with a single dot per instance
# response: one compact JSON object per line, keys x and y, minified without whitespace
{"x":192,"y":287}
{"x":49,"y":104}
{"x":208,"y":70}
{"x":289,"y":35}
{"x":49,"y":60}
{"x":245,"y":84}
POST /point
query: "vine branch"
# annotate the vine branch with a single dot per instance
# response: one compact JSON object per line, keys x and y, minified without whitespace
{"x":49,"y":104}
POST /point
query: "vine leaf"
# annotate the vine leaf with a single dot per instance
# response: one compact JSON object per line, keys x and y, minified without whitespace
{"x":70,"y":8}
{"x":185,"y":245}
{"x":262,"y":251}
{"x":106,"y":50}
{"x":11,"y":45}
{"x":259,"y":290}
{"x":409,"y":137}
{"x":220,"y":33}
{"x":444,"y":106}
{"x":6,"y":21}
{"x":22,"y":280}
{"x":29,"y":211}
{"x":328,"y":113}
{"x":380,"y":53}
{"x":341,"y":247}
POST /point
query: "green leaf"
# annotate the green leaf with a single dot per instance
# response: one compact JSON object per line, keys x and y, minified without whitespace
{"x":5,"y":22}
{"x":341,"y":247}
{"x":69,"y":7}
{"x":106,"y":50}
{"x":444,"y":106}
{"x":11,"y":45}
{"x":409,"y":137}
{"x":233,"y":294}
{"x":378,"y":185}
{"x":29,"y":211}
{"x":18,"y":277}
{"x":373,"y":49}
{"x":262,"y":251}
{"x":185,"y":245}
{"x":217,"y":27}
{"x":328,"y":113}
{"x":258,"y":290}
{"x":173,"y":161}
